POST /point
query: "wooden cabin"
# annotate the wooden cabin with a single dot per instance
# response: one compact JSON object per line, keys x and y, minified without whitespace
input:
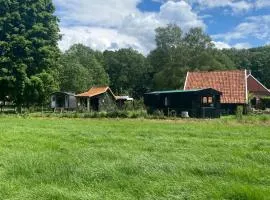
{"x":199,"y":103}
{"x":97,"y":99}
{"x":63,"y":100}
{"x":235,"y":85}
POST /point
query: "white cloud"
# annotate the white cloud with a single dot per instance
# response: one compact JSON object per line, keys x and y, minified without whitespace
{"x":240,"y":6}
{"x":221,"y":45}
{"x":98,"y":38}
{"x":180,"y":13}
{"x":262,"y":4}
{"x":224,"y":45}
{"x":112,"y":24}
{"x":256,"y":26}
{"x":244,"y":45}
{"x":101,"y":12}
{"x":236,"y":6}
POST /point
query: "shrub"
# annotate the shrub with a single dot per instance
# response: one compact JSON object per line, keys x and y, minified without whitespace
{"x":118,"y":114}
{"x":137,"y":114}
{"x":158,"y":114}
{"x":239,"y":113}
{"x":103,"y":114}
{"x":139,"y":104}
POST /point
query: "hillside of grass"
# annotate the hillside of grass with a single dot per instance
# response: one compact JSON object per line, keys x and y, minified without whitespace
{"x":82,"y":159}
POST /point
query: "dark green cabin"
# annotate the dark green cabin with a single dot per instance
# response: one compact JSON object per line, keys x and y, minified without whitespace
{"x":201,"y":103}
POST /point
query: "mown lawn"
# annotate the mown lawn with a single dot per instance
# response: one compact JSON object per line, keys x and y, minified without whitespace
{"x":79,"y":159}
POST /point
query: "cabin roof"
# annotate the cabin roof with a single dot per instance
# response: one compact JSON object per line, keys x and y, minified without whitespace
{"x":94,"y":91}
{"x":65,"y":93}
{"x":232,"y":84}
{"x":183,"y":91}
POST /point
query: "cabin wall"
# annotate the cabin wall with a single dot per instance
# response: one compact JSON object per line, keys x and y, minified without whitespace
{"x":72,"y":102}
{"x":179,"y":102}
{"x":62,"y":100}
{"x":107,"y":102}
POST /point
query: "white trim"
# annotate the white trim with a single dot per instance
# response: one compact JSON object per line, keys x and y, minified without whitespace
{"x":186,"y":81}
{"x":258,"y":82}
{"x":246,"y":77}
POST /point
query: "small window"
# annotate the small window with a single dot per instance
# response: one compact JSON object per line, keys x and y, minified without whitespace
{"x":205,"y":100}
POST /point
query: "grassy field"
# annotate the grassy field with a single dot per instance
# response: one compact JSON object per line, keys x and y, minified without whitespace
{"x":79,"y":159}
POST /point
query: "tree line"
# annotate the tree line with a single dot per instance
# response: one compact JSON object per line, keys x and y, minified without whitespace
{"x":32,"y":66}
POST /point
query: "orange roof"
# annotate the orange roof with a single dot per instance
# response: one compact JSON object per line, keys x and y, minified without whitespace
{"x":94,"y":91}
{"x":232,"y":84}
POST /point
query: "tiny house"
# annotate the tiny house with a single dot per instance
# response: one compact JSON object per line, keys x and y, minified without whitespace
{"x":63,"y":100}
{"x":97,"y":99}
{"x":199,"y":103}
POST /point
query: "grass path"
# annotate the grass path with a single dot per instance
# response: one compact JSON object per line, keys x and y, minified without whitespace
{"x":77,"y":159}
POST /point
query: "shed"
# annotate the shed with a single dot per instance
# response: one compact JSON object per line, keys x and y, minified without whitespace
{"x":63,"y":100}
{"x":97,"y":99}
{"x":199,"y":103}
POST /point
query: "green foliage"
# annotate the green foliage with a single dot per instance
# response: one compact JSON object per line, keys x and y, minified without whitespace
{"x":29,"y":35}
{"x":81,"y":68}
{"x":256,"y":59}
{"x":34,"y":91}
{"x":129,"y":72}
{"x":177,"y":53}
{"x":239,"y":113}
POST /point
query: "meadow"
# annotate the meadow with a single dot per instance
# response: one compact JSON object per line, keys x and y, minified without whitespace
{"x":82,"y":159}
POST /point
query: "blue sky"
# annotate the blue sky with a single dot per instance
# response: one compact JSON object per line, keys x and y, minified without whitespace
{"x":114,"y":24}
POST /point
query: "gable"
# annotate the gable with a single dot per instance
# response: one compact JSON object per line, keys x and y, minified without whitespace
{"x":232,"y":84}
{"x":256,"y":87}
{"x":95,"y":91}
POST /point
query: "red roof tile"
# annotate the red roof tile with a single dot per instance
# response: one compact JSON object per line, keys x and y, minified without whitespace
{"x":94,"y":91}
{"x":232,"y":84}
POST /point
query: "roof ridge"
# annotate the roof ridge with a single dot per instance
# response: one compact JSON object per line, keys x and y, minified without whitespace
{"x":234,"y":70}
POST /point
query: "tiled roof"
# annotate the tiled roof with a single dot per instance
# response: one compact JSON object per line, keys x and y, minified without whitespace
{"x":232,"y":84}
{"x":94,"y":91}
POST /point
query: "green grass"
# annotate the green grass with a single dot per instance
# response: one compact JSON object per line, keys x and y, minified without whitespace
{"x":82,"y":159}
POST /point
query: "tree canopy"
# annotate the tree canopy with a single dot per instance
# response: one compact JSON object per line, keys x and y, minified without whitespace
{"x":29,"y":35}
{"x":81,"y":68}
{"x":129,"y":72}
{"x":177,"y":53}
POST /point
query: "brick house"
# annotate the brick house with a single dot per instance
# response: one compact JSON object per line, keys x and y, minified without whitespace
{"x":235,"y":85}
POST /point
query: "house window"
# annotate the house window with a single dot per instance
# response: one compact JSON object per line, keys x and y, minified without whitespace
{"x":207,"y":101}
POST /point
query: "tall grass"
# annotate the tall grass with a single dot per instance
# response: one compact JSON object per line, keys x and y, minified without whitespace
{"x":54,"y":158}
